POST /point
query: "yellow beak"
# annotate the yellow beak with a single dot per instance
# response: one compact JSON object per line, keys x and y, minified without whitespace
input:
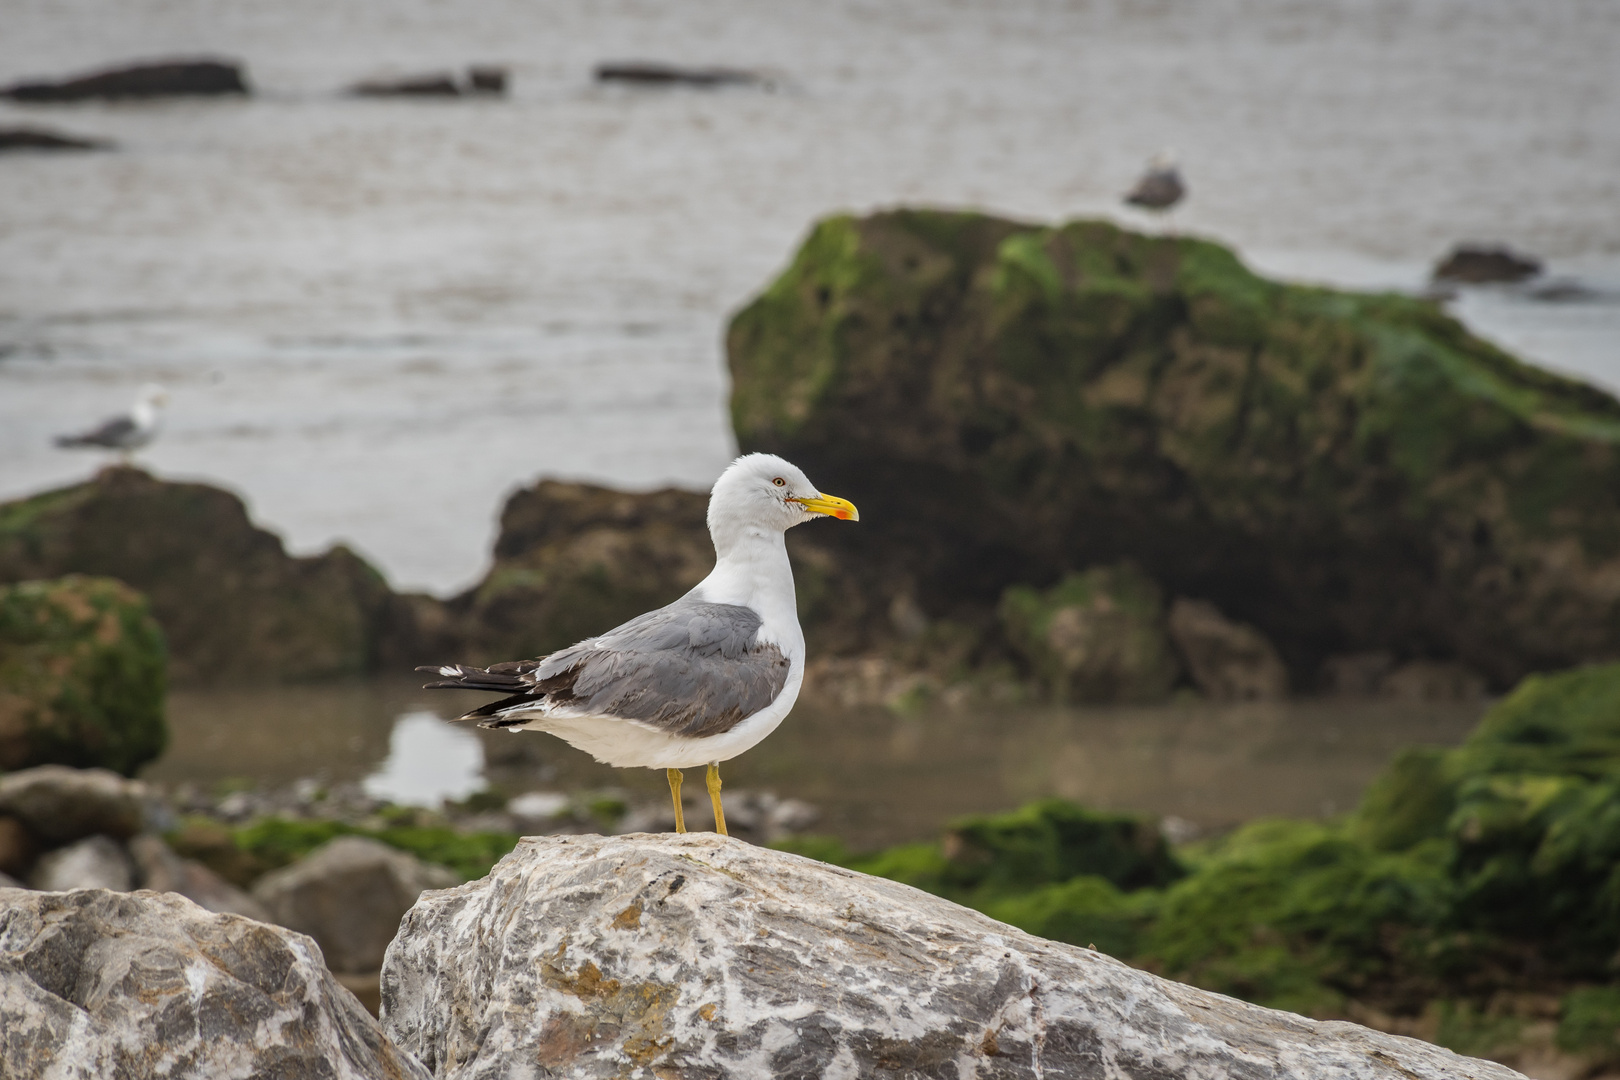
{"x":831,"y":505}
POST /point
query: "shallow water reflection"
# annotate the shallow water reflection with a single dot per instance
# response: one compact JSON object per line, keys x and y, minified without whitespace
{"x":877,"y":777}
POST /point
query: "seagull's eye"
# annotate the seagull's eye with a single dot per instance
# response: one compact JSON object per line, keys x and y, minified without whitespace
{"x":779,"y":482}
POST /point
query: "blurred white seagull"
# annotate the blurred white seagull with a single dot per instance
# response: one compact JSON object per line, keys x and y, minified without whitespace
{"x":699,"y":681}
{"x":126,"y":433}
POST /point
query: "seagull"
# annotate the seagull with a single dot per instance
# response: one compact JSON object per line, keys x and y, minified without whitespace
{"x":698,"y":681}
{"x":126,"y":433}
{"x":1160,"y":187}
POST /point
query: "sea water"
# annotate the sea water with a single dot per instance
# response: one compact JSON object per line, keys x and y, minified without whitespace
{"x":377,"y":317}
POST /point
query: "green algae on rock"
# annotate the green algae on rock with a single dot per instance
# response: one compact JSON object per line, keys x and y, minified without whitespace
{"x":232,"y":603}
{"x":1345,"y":472}
{"x":82,"y":676}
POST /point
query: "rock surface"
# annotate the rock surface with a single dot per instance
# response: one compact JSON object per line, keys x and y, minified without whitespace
{"x":1228,"y":661}
{"x":349,"y":896}
{"x":1345,"y":472}
{"x":179,"y":77}
{"x":698,"y":956}
{"x":60,"y":805}
{"x":82,"y":675}
{"x":232,"y":603}
{"x":96,"y":984}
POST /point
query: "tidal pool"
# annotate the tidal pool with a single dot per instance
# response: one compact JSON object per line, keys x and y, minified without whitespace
{"x":877,"y":777}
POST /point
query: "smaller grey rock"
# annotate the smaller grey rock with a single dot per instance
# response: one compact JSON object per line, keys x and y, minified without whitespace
{"x":96,"y":862}
{"x":1229,"y":661}
{"x":159,"y":869}
{"x":61,"y":804}
{"x":96,"y":984}
{"x":349,"y":896}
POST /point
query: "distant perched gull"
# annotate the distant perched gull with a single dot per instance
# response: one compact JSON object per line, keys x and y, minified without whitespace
{"x":699,"y":681}
{"x":126,"y":433}
{"x":1160,"y":187}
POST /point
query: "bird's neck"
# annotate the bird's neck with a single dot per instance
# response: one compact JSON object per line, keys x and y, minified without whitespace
{"x":752,"y":570}
{"x":144,"y":414}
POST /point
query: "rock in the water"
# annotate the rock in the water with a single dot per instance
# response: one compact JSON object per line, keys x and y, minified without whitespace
{"x":37,"y":138}
{"x":96,"y":862}
{"x":651,"y":73}
{"x":159,"y":869}
{"x":349,"y":896}
{"x":695,"y":955}
{"x":61,"y":805}
{"x":574,"y":560}
{"x":410,"y":86}
{"x":1479,"y":264}
{"x":82,"y":675}
{"x":184,"y":77}
{"x":1346,"y":472}
{"x":98,"y":984}
{"x":1097,"y":636}
{"x":232,"y":603}
{"x":1228,"y":661}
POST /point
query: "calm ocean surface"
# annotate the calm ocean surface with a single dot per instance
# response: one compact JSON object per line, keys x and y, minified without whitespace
{"x":376,"y":317}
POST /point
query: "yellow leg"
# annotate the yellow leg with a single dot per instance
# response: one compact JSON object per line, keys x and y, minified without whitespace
{"x":675,"y":793}
{"x":714,"y":797}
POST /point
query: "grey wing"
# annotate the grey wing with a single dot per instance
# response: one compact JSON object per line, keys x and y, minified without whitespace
{"x":112,"y":433}
{"x":691,"y":668}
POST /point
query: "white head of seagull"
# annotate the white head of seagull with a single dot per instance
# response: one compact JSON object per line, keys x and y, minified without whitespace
{"x":762,"y":495}
{"x":697,"y":681}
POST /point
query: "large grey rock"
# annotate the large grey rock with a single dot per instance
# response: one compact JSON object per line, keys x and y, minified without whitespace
{"x":1229,"y":661}
{"x":349,"y":896}
{"x":96,"y":862}
{"x":97,"y":984}
{"x":62,"y":804}
{"x":159,"y":869}
{"x":586,"y":956}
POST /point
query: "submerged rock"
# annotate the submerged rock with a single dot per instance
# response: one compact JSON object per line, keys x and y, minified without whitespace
{"x":1097,"y":636}
{"x":1228,"y":661}
{"x":1478,"y":264}
{"x":97,"y":984}
{"x":82,"y":675}
{"x":38,"y":138}
{"x":652,"y":73}
{"x":349,"y":896}
{"x":232,"y":603}
{"x":165,"y":79}
{"x":695,"y":955}
{"x":1344,"y":472}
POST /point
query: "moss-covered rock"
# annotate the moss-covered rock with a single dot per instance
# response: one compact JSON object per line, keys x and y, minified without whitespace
{"x":1010,"y":403}
{"x":232,"y":603}
{"x":573,"y":560}
{"x":1094,"y":636}
{"x":82,"y":676}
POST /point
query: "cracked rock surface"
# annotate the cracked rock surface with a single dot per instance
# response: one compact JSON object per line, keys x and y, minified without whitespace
{"x":97,"y":984}
{"x":697,"y":956}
